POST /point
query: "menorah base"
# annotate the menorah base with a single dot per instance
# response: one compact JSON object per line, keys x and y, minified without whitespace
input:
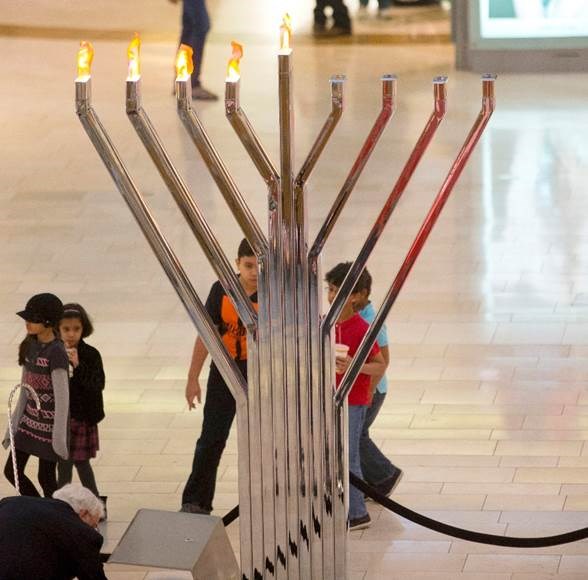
{"x":178,"y":541}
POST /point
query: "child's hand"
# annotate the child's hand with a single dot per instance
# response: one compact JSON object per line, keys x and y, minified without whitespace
{"x":72,"y":354}
{"x":342,"y":364}
{"x":193,"y":392}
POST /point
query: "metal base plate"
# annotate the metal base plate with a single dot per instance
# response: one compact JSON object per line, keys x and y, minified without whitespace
{"x":178,"y":541}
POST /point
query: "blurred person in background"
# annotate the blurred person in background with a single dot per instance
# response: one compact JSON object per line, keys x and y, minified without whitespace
{"x":341,"y":22}
{"x":195,"y":27}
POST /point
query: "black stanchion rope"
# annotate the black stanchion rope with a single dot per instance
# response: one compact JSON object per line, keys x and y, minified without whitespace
{"x":447,"y":529}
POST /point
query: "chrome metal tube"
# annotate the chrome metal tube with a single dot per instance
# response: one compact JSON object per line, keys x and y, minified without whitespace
{"x":386,"y":113}
{"x":326,"y":131}
{"x":315,"y":440}
{"x":190,"y":210}
{"x":439,"y":108}
{"x":217,"y":168}
{"x":183,"y":287}
{"x":273,"y":464}
{"x":288,"y":226}
{"x":488,"y":104}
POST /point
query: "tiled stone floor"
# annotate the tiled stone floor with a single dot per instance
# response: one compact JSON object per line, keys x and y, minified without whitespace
{"x":488,"y":405}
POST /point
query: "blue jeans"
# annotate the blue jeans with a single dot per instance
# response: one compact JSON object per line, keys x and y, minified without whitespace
{"x":376,"y":467}
{"x":357,"y":413}
{"x":195,"y":27}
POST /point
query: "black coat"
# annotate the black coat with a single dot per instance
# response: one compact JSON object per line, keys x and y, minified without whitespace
{"x":86,"y":386}
{"x":45,"y":539}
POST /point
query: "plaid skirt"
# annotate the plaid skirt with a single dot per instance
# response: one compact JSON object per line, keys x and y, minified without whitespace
{"x":83,"y":440}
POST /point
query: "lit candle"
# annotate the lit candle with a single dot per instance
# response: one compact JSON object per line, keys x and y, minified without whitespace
{"x":285,"y":35}
{"x":85,"y":57}
{"x":184,"y":70}
{"x":233,"y":68}
{"x":133,"y":53}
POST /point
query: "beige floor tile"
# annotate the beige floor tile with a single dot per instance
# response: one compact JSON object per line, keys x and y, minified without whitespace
{"x":407,"y":563}
{"x":503,"y":502}
{"x":524,"y":461}
{"x":573,"y":564}
{"x":552,"y":475}
{"x":439,"y":421}
{"x":540,"y":448}
{"x":514,"y":489}
{"x":432,"y":447}
{"x":496,"y":563}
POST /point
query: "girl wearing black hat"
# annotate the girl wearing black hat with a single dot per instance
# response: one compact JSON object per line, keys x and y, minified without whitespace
{"x":41,"y":433}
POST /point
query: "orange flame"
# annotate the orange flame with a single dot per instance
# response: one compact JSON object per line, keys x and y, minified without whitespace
{"x":184,"y":62}
{"x":85,"y":57}
{"x":285,"y":32}
{"x":133,"y":53}
{"x":233,"y":69}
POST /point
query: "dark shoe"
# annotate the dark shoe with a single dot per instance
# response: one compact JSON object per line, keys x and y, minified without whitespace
{"x":336,"y":30}
{"x":387,"y":486}
{"x":319,"y":29}
{"x":360,"y":523}
{"x":201,"y":94}
{"x":103,"y":499}
{"x":194,"y":508}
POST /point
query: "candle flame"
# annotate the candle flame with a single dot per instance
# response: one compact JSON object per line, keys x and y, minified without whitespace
{"x":85,"y":57}
{"x":285,"y":32}
{"x":184,"y":62}
{"x":133,"y":53}
{"x":233,"y":69}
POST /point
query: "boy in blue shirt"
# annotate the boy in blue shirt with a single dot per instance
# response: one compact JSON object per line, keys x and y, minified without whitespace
{"x":377,"y":469}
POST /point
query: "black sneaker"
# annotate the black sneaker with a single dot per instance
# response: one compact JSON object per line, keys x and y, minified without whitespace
{"x":337,"y":30}
{"x":194,"y":508}
{"x":199,"y":93}
{"x":360,"y":523}
{"x":387,"y":486}
{"x":319,"y":28}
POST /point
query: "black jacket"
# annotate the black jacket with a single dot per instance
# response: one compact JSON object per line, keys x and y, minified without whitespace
{"x":44,"y":539}
{"x":86,"y":386}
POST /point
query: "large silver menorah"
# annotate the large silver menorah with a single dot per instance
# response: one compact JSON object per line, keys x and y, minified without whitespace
{"x":291,"y":418}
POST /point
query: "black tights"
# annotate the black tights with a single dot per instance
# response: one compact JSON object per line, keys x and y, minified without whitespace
{"x":85,"y":473}
{"x":46,"y":475}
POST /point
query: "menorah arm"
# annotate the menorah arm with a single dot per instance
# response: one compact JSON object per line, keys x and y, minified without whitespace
{"x":247,"y":135}
{"x":325,"y":132}
{"x":488,"y":104}
{"x":219,"y":172}
{"x":158,"y":243}
{"x":386,"y":113}
{"x":439,"y":108}
{"x":190,"y":210}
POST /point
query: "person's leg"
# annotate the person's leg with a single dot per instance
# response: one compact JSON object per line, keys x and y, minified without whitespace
{"x":320,"y":17}
{"x":219,"y":411}
{"x":341,"y":20}
{"x":201,"y":26}
{"x":357,"y":507}
{"x":86,"y":475}
{"x":25,"y":484}
{"x":47,"y":475}
{"x":64,"y":472}
{"x":376,"y":467}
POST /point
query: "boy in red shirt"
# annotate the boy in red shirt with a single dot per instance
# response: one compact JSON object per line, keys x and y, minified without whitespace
{"x":350,"y":330}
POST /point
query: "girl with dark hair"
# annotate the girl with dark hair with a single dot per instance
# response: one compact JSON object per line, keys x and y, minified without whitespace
{"x":42,"y":432}
{"x":85,"y":391}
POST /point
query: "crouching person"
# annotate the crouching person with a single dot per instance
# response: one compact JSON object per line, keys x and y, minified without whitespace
{"x":51,"y":538}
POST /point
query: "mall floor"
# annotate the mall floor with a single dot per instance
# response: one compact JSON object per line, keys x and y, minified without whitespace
{"x":488,"y":407}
